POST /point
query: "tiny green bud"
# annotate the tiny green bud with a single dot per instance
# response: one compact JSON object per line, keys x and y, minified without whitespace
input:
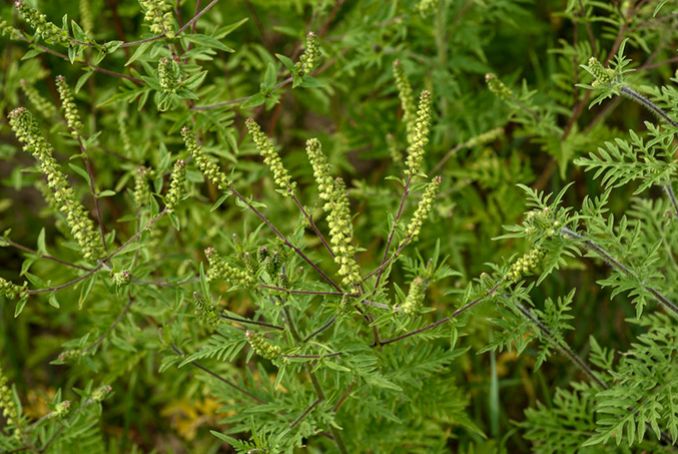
{"x":498,"y":87}
{"x":602,"y":75}
{"x":101,"y":393}
{"x":60,"y":410}
{"x":122,"y":278}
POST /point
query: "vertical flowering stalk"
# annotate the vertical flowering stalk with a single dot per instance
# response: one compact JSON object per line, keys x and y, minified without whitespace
{"x":281,"y":176}
{"x":46,"y":108}
{"x":419,"y":137}
{"x":207,"y":167}
{"x":406,"y":99}
{"x":169,"y":75}
{"x":525,"y":265}
{"x":415,"y":296}
{"x":309,"y":59}
{"x":341,"y":234}
{"x":69,"y":108}
{"x":321,"y":171}
{"x":8,"y":407}
{"x":422,"y":211}
{"x":86,"y":18}
{"x":176,"y":189}
{"x":142,"y":192}
{"x":27,"y":132}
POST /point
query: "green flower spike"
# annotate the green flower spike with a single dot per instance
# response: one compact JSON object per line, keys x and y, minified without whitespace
{"x":262,"y":347}
{"x":46,"y":108}
{"x":158,"y":14}
{"x":8,"y":407}
{"x":423,"y":210}
{"x":415,"y":297}
{"x":281,"y":176}
{"x":419,"y":137}
{"x":69,"y":108}
{"x":82,"y":228}
{"x":209,"y":168}
{"x":309,"y":59}
{"x":525,"y":265}
{"x":406,"y":100}
{"x":43,"y":28}
{"x":321,"y":170}
{"x":341,"y":234}
{"x":177,"y":182}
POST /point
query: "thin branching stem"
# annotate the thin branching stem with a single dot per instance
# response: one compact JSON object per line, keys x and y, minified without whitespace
{"x":616,"y":264}
{"x":649,"y":105}
{"x":394,"y":226}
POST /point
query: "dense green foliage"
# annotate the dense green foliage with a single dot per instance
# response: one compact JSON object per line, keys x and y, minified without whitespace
{"x":338,"y":226}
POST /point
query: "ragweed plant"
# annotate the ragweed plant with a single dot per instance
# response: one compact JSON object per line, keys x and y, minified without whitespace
{"x":276,"y":219}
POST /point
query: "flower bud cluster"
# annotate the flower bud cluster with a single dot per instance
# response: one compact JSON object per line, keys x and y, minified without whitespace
{"x":341,"y":234}
{"x":9,"y":31}
{"x":309,"y":58}
{"x":498,"y":87}
{"x":219,"y":269}
{"x":82,"y":228}
{"x":69,"y":108}
{"x":426,"y":7}
{"x":415,"y":296}
{"x":42,"y":105}
{"x":261,"y":346}
{"x":541,"y":222}
{"x":207,"y":313}
{"x":321,"y":170}
{"x":525,"y":265}
{"x":169,"y":75}
{"x":602,"y":74}
{"x":142,"y":192}
{"x":60,"y":410}
{"x":121,"y":278}
{"x":8,"y":407}
{"x":12,"y":291}
{"x":271,"y":157}
{"x":38,"y":21}
{"x":419,"y":136}
{"x":177,"y":183}
{"x":207,"y":167}
{"x":101,"y":393}
{"x":406,"y":99}
{"x":158,"y":14}
{"x":423,"y":210}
